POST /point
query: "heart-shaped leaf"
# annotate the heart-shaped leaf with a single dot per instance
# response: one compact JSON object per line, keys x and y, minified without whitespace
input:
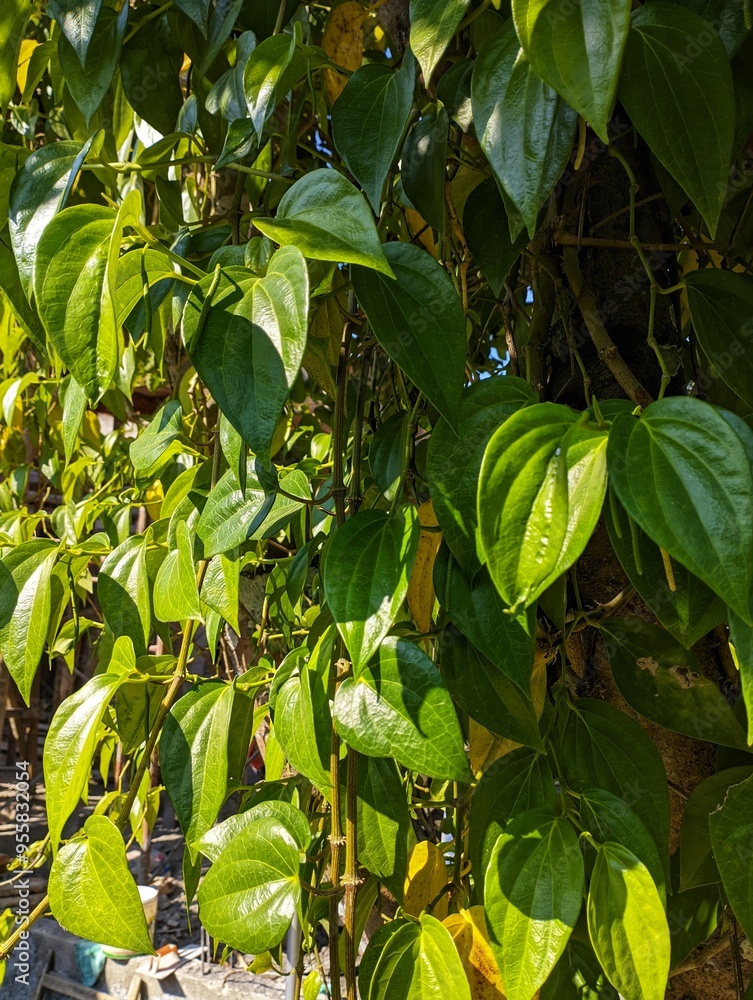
{"x":432,"y":26}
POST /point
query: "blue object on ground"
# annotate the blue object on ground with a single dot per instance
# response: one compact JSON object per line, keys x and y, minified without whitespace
{"x":91,"y":960}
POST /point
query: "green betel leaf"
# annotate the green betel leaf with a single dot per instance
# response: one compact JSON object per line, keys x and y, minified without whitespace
{"x":577,"y":976}
{"x":176,"y":593}
{"x":247,"y":341}
{"x":627,"y":924}
{"x":418,"y":320}
{"x":423,"y":166}
{"x":197,"y":10}
{"x":14,"y":16}
{"x":486,"y":693}
{"x":525,"y":128}
{"x":387,"y":451}
{"x":368,"y":121}
{"x":454,"y":460}
{"x":540,"y":493}
{"x":693,"y":496}
{"x":92,"y":892}
{"x":38,"y":192}
{"x":303,"y":721}
{"x":680,"y":97}
{"x":266,"y":77}
{"x":25,"y":314}
{"x":577,"y":49}
{"x":149,"y":65}
{"x":413,"y":960}
{"x":219,"y":590}
{"x":731,"y":830}
{"x":607,"y":818}
{"x":602,"y":748}
{"x":367,"y":568}
{"x":697,"y":864}
{"x":134,"y":270}
{"x":194,"y":757}
{"x":165,"y":427}
{"x":690,"y":609}
{"x":251,"y":892}
{"x":741,"y":638}
{"x":400,"y":708}
{"x":516,"y":783}
{"x":124,"y":592}
{"x":327,"y":218}
{"x":383,"y":822}
{"x":721,"y":307}
{"x":25,"y":606}
{"x":533,"y":889}
{"x":432,"y":26}
{"x":662,"y":680}
{"x":479,"y":612}
{"x":77,"y":20}
{"x":89,"y":80}
{"x":220,"y":837}
{"x":231,"y":515}
{"x":70,"y":745}
{"x":487,"y":233}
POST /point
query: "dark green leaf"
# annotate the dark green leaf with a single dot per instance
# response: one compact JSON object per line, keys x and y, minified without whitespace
{"x":533,"y":891}
{"x":693,"y":495}
{"x":680,"y":97}
{"x":423,"y":166}
{"x":387,"y":453}
{"x":197,"y":10}
{"x":432,"y":26}
{"x":577,"y":49}
{"x":400,"y":708}
{"x":232,"y":515}
{"x":368,"y":121}
{"x":77,"y":19}
{"x":247,"y":342}
{"x":577,"y":976}
{"x":367,"y":568}
{"x":731,"y":830}
{"x":383,"y":822}
{"x":454,"y":460}
{"x":327,"y":219}
{"x":267,"y":77}
{"x":418,"y":319}
{"x":721,"y":307}
{"x":92,"y":892}
{"x":487,"y":232}
{"x":627,"y":924}
{"x":149,"y":68}
{"x":692,"y":914}
{"x":524,"y":127}
{"x":89,"y":81}
{"x":697,"y":864}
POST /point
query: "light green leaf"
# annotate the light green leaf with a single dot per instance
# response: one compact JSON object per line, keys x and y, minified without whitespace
{"x":194,"y":757}
{"x":219,"y":590}
{"x":232,"y":515}
{"x":533,"y":890}
{"x":165,"y":427}
{"x":627,"y":924}
{"x":92,"y":892}
{"x":25,"y":607}
{"x":414,"y":961}
{"x":663,"y":682}
{"x":227,"y":96}
{"x":328,"y":219}
{"x":525,"y":129}
{"x":176,"y":594}
{"x":721,"y":307}
{"x":541,"y":488}
{"x":77,"y":19}
{"x":418,"y":319}
{"x":603,"y":748}
{"x":89,"y":79}
{"x":303,"y":723}
{"x":400,"y":708}
{"x":70,"y":745}
{"x":250,"y":894}
{"x":516,"y":783}
{"x":432,"y":27}
{"x":367,"y":568}
{"x":39,"y":191}
{"x":680,"y":97}
{"x":697,"y":864}
{"x":368,"y":121}
{"x":247,"y":343}
{"x":577,"y":976}
{"x":577,"y":49}
{"x":454,"y":460}
{"x":693,"y":497}
{"x":220,"y":837}
{"x":267,"y":77}
{"x":383,"y":822}
{"x":124,"y":592}
{"x":688,"y":611}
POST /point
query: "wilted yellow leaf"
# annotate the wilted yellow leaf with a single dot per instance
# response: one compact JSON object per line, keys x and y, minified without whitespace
{"x":343,"y":43}
{"x":420,"y":230}
{"x":468,"y":931}
{"x":421,"y":594}
{"x":153,"y":498}
{"x":427,"y":874}
{"x":27,"y":49}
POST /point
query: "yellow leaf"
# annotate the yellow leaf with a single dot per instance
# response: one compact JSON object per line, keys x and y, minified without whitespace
{"x":420,"y":230}
{"x":153,"y":498}
{"x":427,"y":874}
{"x":27,"y":48}
{"x":343,"y":43}
{"x":421,"y":594}
{"x":468,"y":931}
